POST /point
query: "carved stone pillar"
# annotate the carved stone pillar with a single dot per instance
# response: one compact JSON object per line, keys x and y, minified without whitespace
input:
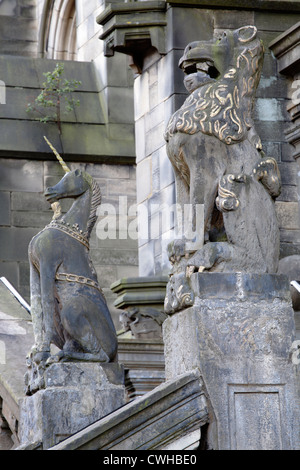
{"x":140,"y":344}
{"x":239,"y":333}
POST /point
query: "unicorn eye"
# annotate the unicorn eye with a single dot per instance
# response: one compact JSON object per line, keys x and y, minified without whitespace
{"x":77,"y":172}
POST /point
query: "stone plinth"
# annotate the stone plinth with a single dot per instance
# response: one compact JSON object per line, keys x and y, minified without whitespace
{"x":76,"y":395}
{"x":239,"y":333}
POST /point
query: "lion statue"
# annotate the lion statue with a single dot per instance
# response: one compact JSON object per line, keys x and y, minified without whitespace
{"x":218,"y":160}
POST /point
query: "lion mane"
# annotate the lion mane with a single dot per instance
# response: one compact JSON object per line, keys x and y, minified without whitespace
{"x":223,"y":107}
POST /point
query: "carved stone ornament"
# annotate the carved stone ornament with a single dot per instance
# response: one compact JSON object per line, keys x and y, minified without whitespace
{"x":179,"y":294}
{"x":143,"y":322}
{"x":67,"y":304}
{"x":218,"y":159}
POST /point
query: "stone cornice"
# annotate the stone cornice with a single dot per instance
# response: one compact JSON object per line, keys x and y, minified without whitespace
{"x":113,"y":9}
{"x":133,"y":28}
{"x":286,"y":49}
{"x":279,"y":5}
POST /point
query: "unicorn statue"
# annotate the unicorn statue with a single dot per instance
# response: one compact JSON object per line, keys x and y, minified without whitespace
{"x":68,"y":307}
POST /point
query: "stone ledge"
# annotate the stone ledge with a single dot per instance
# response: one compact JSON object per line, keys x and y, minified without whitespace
{"x":226,"y":286}
{"x":134,"y":28}
{"x":77,"y":374}
{"x":286,"y":49}
{"x":133,"y":291}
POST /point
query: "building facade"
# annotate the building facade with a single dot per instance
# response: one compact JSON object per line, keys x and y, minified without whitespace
{"x":126,"y":56}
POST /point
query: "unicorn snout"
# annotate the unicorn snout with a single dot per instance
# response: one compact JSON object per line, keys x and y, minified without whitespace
{"x":51,"y":195}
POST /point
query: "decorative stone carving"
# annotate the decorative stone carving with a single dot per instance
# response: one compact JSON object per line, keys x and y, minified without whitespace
{"x":179,"y":294}
{"x":67,"y":304}
{"x":219,"y":163}
{"x":143,"y":322}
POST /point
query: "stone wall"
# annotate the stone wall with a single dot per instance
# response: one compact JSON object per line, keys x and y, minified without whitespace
{"x":18,"y":27}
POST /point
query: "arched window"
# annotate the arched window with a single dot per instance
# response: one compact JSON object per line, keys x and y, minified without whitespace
{"x":58,"y":30}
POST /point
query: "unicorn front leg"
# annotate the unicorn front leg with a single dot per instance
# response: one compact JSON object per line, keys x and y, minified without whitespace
{"x":36,"y":308}
{"x":43,"y":318}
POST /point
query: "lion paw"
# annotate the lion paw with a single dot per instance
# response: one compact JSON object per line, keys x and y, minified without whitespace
{"x":208,"y":256}
{"x":266,"y":171}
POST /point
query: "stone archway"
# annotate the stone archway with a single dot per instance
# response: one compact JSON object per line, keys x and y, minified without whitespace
{"x":58,"y":30}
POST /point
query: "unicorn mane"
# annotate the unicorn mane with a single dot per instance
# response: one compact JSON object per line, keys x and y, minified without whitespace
{"x":95,"y":202}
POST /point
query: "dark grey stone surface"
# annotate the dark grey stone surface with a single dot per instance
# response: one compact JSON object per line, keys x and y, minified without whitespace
{"x":5,"y":208}
{"x":242,"y":343}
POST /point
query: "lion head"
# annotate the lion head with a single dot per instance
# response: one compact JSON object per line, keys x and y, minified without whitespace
{"x":222,"y":77}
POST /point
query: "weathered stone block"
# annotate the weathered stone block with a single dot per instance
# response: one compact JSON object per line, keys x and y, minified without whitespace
{"x":13,"y":47}
{"x":21,"y":28}
{"x":289,"y":173}
{"x":272,"y":21}
{"x":146,"y":259}
{"x":234,"y":18}
{"x":81,"y":71}
{"x":10,"y":270}
{"x":89,"y":109}
{"x":140,"y":142}
{"x":114,"y":257}
{"x":141,"y":96}
{"x":5,"y":208}
{"x":24,"y":201}
{"x":239,"y":333}
{"x":31,"y":219}
{"x":14,"y":242}
{"x":288,"y":193}
{"x":287,"y":214}
{"x":108,"y":171}
{"x":76,"y":395}
{"x":21,"y":175}
{"x":198,"y":25}
{"x":117,"y":113}
{"x":7,"y":7}
{"x":144,"y":186}
{"x":154,"y":138}
{"x":168,"y":67}
{"x":268,"y":109}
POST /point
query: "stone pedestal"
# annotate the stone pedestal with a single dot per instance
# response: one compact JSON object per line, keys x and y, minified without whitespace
{"x":140,"y":344}
{"x":239,"y":333}
{"x":76,"y":395}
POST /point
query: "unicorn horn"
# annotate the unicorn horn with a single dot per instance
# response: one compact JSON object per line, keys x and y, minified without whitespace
{"x":65,"y":167}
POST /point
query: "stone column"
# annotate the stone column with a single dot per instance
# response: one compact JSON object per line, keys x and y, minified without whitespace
{"x":75,"y":395}
{"x":286,"y":49}
{"x":239,"y":334}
